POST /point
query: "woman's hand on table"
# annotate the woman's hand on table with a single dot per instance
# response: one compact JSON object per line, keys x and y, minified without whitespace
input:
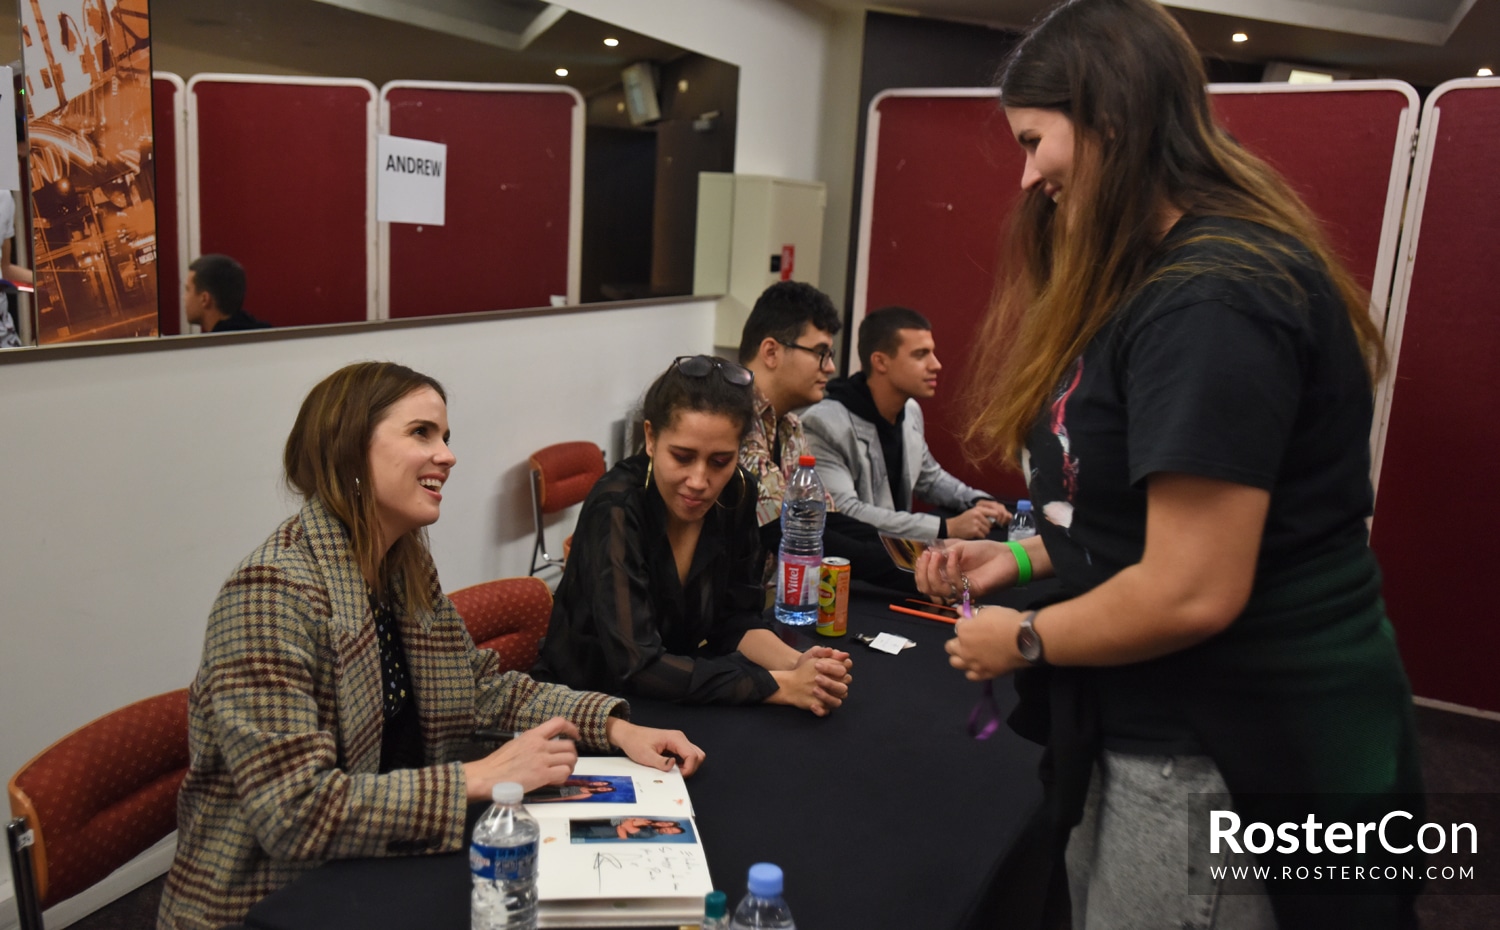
{"x":543,"y":755}
{"x":984,"y":645}
{"x":657,"y":749}
{"x":818,"y":682}
{"x":987,"y":564}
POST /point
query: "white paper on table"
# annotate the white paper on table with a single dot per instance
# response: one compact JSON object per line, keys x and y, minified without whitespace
{"x":889,"y":642}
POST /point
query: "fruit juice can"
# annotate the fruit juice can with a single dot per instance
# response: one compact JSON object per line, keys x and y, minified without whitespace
{"x":833,"y":596}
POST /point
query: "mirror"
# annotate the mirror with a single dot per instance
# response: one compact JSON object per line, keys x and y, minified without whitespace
{"x":99,"y":273}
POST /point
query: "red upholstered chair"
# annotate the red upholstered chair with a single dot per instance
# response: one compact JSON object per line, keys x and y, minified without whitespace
{"x":508,"y":615}
{"x":96,"y":799}
{"x":561,"y":476}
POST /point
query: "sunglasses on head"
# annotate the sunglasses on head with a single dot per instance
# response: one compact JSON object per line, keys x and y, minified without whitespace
{"x":699,"y":366}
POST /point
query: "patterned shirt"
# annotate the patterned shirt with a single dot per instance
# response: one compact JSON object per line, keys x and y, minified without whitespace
{"x":757,"y":456}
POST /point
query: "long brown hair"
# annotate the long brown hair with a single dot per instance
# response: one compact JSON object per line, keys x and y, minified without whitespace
{"x":328,"y":457}
{"x":1126,"y":75}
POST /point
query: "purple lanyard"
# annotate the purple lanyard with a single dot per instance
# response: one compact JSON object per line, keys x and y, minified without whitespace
{"x":979,"y":727}
{"x":985,"y":707}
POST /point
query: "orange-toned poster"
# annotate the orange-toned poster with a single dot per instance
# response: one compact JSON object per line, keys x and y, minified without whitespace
{"x":88,"y":107}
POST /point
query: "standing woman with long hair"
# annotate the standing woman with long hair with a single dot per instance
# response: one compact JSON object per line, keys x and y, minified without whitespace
{"x":338,"y":685}
{"x":1185,"y":376}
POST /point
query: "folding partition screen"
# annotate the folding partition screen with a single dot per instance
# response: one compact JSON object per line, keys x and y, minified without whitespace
{"x":514,"y":207}
{"x":169,"y":115}
{"x":1437,"y":506}
{"x":1346,"y":148}
{"x":942,"y":174}
{"x":279,"y":178}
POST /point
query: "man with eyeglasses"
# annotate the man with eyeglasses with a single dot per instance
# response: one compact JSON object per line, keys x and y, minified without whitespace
{"x":788,"y":343}
{"x":869,"y":440}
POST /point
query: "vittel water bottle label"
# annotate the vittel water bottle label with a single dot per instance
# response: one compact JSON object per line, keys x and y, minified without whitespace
{"x":503,"y":863}
{"x":795,"y":587}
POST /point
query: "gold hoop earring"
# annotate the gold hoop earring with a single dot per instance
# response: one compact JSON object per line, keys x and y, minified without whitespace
{"x":649,"y":462}
{"x":743,"y":488}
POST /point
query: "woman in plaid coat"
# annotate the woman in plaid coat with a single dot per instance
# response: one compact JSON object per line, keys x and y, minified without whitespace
{"x":338,"y":683}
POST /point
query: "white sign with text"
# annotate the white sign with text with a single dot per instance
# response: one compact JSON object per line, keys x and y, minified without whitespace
{"x":413,"y":181}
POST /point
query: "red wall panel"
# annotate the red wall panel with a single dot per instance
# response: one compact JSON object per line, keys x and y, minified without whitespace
{"x":164,"y":130}
{"x":282,"y":173}
{"x":505,"y":238}
{"x":1437,"y":506}
{"x":947,"y":174}
{"x":1335,"y":148}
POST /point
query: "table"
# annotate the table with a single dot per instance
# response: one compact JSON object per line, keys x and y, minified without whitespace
{"x":885,"y":814}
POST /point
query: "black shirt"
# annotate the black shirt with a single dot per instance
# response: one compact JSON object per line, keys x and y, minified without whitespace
{"x":237,"y":321}
{"x":623,"y":622}
{"x":1231,"y":369}
{"x":1229,"y":373}
{"x":401,"y":737}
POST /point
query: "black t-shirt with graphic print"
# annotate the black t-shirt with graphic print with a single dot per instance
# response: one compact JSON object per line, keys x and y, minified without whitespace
{"x":1225,"y":367}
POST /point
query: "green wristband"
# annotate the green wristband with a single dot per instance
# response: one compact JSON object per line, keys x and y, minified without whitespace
{"x":1023,"y":563}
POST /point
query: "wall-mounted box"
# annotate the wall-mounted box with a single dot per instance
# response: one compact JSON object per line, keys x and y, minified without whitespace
{"x":753,"y":231}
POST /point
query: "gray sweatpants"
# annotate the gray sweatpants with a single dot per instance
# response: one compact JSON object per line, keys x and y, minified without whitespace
{"x":1129,"y":859}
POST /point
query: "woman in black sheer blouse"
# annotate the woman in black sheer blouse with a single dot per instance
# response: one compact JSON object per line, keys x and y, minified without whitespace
{"x":662,"y":596}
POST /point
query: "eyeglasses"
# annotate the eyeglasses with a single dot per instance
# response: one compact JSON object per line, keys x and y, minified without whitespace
{"x":824,"y":353}
{"x":699,"y":366}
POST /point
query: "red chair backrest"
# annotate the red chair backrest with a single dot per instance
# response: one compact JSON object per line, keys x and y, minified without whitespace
{"x":568,"y":470}
{"x":508,"y":615}
{"x":104,"y":793}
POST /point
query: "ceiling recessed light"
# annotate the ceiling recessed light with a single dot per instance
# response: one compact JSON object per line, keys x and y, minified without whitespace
{"x":611,"y":42}
{"x":1483,"y":72}
{"x":1240,"y":37}
{"x":561,"y":72}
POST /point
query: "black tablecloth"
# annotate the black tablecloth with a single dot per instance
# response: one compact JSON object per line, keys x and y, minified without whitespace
{"x":885,"y":814}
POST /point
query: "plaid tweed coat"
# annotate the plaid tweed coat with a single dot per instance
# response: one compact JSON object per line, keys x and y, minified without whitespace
{"x":285,"y":727}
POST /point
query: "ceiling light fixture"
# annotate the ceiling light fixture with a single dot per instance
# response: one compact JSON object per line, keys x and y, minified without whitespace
{"x":611,"y":42}
{"x":1483,"y":72}
{"x":1240,"y":37}
{"x":561,"y":72}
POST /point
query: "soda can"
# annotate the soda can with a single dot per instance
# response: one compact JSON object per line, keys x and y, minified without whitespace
{"x":833,"y":597}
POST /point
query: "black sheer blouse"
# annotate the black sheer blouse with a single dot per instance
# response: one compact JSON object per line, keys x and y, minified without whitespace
{"x":622,"y":622}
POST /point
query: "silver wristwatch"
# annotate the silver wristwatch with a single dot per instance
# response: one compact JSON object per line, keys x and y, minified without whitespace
{"x":1029,"y":641}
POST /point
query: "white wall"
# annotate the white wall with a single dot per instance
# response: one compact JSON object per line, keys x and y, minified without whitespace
{"x":837,"y":145}
{"x":780,"y":46}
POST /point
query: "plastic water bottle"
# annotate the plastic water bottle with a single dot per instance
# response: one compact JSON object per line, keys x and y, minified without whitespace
{"x":763,"y":908}
{"x":1022,"y":522}
{"x":715,"y":911}
{"x":502,"y":860}
{"x":803,"y":511}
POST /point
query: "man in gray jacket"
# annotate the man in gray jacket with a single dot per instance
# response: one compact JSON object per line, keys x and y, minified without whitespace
{"x":868,"y":437}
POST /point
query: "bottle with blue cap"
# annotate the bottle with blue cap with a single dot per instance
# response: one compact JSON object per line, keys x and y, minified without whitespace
{"x":502,"y":860}
{"x":763,"y":907}
{"x":1022,"y":522}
